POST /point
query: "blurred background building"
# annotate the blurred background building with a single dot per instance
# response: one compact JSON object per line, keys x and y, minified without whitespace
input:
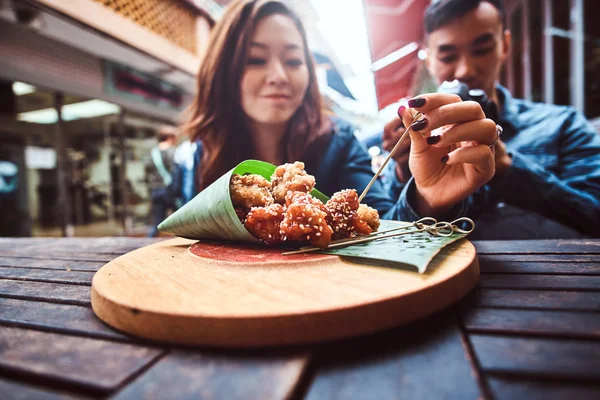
{"x":86,"y":84}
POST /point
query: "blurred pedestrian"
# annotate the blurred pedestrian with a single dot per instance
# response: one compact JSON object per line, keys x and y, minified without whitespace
{"x":9,"y":210}
{"x":158,"y":176}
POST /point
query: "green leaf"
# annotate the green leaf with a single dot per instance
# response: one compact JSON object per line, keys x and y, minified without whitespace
{"x":415,"y":250}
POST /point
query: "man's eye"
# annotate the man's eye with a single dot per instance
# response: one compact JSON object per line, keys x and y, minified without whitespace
{"x":482,"y":52}
{"x":256,"y":61}
{"x":448,"y":59}
{"x":294,"y":62}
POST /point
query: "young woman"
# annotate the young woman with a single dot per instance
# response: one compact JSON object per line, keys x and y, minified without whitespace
{"x":257,"y":98}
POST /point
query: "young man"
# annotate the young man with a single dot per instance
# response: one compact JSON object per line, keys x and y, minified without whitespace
{"x":547,"y":180}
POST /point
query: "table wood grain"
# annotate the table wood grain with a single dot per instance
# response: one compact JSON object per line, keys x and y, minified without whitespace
{"x":531,"y":329}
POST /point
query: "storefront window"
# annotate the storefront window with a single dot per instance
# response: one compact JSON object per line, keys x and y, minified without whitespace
{"x":92,"y":164}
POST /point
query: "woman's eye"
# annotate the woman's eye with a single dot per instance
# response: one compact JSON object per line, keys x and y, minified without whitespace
{"x":256,"y":61}
{"x":295,"y":62}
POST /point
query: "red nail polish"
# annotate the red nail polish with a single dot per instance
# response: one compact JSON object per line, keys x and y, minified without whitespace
{"x":401,"y":110}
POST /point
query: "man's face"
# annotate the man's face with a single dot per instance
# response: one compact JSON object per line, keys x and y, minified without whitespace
{"x":471,"y":49}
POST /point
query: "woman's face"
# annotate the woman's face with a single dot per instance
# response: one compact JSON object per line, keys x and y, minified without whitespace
{"x":276,"y":76}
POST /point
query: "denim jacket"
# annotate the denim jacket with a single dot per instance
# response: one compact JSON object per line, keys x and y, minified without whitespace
{"x":555,"y":167}
{"x":345,"y":164}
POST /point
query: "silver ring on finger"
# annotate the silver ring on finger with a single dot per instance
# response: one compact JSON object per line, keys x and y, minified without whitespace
{"x":499,"y":131}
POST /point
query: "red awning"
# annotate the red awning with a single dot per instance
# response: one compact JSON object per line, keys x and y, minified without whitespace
{"x":392,"y":25}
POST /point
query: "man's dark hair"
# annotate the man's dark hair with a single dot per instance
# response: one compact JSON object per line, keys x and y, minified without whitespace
{"x":442,"y":12}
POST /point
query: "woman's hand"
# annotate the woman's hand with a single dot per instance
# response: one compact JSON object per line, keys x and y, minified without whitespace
{"x":450,"y":155}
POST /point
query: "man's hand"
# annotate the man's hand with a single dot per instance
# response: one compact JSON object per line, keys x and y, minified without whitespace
{"x":392,"y":132}
{"x":503,"y":160}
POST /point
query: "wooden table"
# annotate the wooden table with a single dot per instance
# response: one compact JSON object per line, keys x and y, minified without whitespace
{"x":531,"y":329}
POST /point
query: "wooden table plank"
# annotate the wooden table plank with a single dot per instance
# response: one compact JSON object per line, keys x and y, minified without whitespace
{"x":505,"y":388}
{"x":12,"y":242}
{"x":543,"y":257}
{"x":538,"y":299}
{"x":47,"y":275}
{"x":93,"y":363}
{"x":570,"y":246}
{"x":538,"y":267}
{"x":553,"y":282}
{"x":43,"y":291}
{"x":534,"y":322}
{"x":186,"y":375}
{"x":14,"y":389}
{"x":78,"y":244}
{"x":534,"y":357}
{"x":426,"y":359}
{"x":65,"y":265}
{"x":60,"y":256}
{"x":71,"y":319}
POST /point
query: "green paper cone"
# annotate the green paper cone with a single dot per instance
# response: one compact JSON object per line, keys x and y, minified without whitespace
{"x":211,"y":215}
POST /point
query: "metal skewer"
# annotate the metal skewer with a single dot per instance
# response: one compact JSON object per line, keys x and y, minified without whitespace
{"x":434,"y":229}
{"x":364,"y":193}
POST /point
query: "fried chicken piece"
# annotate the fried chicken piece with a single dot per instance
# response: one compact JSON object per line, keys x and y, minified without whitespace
{"x":343,"y":207}
{"x":263,"y":223}
{"x":369,"y":215}
{"x":249,"y":191}
{"x":360,"y":226}
{"x":307,"y":198}
{"x":290,"y":177}
{"x":306,"y":221}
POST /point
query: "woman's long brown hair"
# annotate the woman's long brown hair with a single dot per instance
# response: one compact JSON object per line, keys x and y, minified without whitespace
{"x":216,"y":115}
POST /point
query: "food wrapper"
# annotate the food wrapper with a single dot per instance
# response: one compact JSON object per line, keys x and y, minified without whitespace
{"x":211,"y":215}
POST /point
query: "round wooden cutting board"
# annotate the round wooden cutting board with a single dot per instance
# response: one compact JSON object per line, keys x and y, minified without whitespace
{"x":232,"y":295}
